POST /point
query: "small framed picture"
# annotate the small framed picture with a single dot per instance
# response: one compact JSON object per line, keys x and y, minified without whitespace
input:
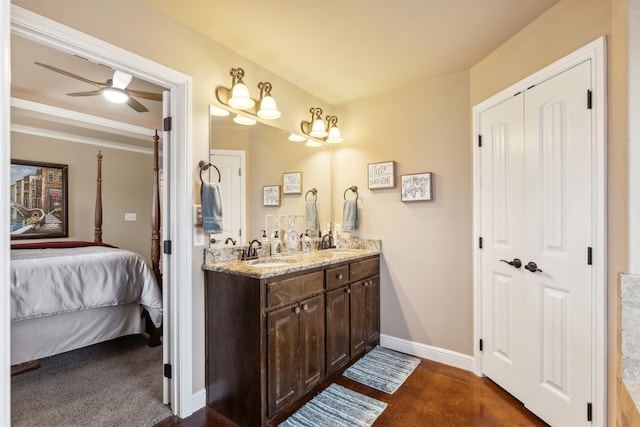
{"x":271,"y":195}
{"x":416,"y":187}
{"x":292,"y":183}
{"x":382,"y":175}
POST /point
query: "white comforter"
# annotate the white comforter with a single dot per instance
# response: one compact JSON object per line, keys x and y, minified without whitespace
{"x":45,"y":282}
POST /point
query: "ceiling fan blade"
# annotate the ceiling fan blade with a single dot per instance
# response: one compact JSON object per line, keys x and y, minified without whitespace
{"x":90,"y":93}
{"x":68,"y":74}
{"x":136,"y":105}
{"x":145,"y":95}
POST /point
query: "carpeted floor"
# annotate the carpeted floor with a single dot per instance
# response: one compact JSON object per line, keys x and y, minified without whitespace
{"x":116,"y":383}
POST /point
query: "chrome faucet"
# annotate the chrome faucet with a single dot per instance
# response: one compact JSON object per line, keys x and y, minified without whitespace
{"x":326,"y":242}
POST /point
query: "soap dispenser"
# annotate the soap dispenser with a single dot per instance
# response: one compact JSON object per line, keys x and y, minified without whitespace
{"x":276,"y":244}
{"x":306,"y":242}
{"x":266,"y":243}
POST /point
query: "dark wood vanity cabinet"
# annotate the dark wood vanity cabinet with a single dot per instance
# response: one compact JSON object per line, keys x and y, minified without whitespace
{"x":269,"y":341}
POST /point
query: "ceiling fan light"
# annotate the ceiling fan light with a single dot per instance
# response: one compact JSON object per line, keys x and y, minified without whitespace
{"x":240,"y":98}
{"x":242,"y":120}
{"x":334,"y":136}
{"x":268,"y":108}
{"x":118,"y":96}
{"x":317,"y":129}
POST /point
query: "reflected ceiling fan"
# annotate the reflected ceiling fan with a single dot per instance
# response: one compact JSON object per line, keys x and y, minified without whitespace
{"x":114,"y":89}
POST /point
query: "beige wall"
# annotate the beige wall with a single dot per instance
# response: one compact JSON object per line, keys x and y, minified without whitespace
{"x":120,"y":170}
{"x":561,"y":30}
{"x":426,"y":269}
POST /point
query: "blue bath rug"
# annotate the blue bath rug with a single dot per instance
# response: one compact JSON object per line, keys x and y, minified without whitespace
{"x":382,"y":369}
{"x":337,"y":406}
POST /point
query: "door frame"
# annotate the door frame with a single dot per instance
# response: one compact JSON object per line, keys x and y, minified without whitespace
{"x":594,"y":51}
{"x":178,"y":161}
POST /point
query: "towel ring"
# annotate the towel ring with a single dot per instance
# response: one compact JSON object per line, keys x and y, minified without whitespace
{"x":204,"y":166}
{"x":314,"y":191}
{"x":352,"y":188}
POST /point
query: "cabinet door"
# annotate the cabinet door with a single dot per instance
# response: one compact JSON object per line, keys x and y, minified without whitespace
{"x":337,"y":328}
{"x":311,"y":342}
{"x":373,"y":311}
{"x":283,"y":361}
{"x":358,"y":317}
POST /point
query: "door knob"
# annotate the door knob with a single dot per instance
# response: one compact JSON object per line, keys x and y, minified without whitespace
{"x":516,"y":262}
{"x":532,"y":267}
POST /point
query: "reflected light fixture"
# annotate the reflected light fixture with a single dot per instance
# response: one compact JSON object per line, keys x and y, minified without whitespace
{"x":313,"y":143}
{"x":217,"y":111}
{"x":244,"y":120}
{"x":238,"y":97}
{"x":294,"y":137}
{"x":317,"y":129}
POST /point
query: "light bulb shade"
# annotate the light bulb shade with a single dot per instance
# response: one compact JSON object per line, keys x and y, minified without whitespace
{"x":118,"y":96}
{"x":240,"y":98}
{"x":242,"y":120}
{"x":217,"y":111}
{"x":268,"y":108}
{"x":334,"y":136}
{"x":317,"y":129}
{"x":312,"y":143}
{"x":296,"y":138}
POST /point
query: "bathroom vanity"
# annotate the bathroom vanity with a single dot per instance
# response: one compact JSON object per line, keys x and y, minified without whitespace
{"x":277,"y":326}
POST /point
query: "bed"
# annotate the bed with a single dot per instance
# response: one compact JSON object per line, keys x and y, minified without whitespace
{"x":70,"y":294}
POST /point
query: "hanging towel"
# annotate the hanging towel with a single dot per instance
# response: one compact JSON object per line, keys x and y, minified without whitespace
{"x":311,"y":211}
{"x":211,"y":207}
{"x":350,"y":215}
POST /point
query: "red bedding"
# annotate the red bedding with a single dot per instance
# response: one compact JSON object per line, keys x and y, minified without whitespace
{"x":59,"y":245}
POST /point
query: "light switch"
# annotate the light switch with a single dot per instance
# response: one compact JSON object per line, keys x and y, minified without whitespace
{"x":197,"y":215}
{"x":130,"y":216}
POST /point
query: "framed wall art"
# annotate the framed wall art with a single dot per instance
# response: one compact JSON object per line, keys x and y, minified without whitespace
{"x":292,"y":183}
{"x":38,"y":200}
{"x":416,"y":187}
{"x":381,"y":175}
{"x":271,"y":195}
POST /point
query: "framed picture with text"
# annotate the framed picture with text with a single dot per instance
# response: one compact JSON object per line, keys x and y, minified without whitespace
{"x":271,"y":195}
{"x":381,"y":175}
{"x":416,"y":187}
{"x":292,"y":183}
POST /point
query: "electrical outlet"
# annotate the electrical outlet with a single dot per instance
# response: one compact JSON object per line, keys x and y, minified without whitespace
{"x":130,"y":216}
{"x":198,"y":236}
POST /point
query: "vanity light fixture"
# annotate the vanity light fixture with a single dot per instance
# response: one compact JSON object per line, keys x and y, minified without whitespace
{"x":313,"y":143}
{"x":238,"y":97}
{"x":317,"y":129}
{"x":217,"y":111}
{"x":294,"y":137}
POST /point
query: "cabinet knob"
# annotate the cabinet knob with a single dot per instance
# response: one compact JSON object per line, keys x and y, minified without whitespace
{"x":348,"y":291}
{"x":296,"y":310}
{"x":305,"y":307}
{"x":339,"y":276}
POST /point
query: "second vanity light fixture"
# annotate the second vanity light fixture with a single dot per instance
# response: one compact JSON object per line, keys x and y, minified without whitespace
{"x":317,"y":129}
{"x":238,"y":98}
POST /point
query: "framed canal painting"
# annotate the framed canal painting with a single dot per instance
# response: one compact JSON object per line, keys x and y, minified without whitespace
{"x":39,"y":204}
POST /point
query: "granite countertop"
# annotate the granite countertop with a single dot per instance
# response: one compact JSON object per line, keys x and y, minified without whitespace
{"x":284,"y":264}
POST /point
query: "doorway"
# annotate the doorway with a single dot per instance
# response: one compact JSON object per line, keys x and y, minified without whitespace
{"x":177,"y":191}
{"x":540,"y":258}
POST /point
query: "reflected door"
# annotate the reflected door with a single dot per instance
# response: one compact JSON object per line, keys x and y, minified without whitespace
{"x":231,"y":164}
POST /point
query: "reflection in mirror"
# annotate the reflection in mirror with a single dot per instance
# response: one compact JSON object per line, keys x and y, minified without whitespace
{"x":269,"y":155}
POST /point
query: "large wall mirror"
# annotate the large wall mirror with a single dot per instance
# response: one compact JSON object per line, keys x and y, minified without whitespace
{"x":268,"y":157}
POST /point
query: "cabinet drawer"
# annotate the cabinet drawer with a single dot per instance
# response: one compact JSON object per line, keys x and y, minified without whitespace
{"x":337,"y":276}
{"x":365,"y":268}
{"x":295,"y":288}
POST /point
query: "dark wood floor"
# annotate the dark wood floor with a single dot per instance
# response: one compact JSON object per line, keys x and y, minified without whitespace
{"x":434,"y":395}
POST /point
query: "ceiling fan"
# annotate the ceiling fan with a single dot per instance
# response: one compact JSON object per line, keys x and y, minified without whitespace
{"x":114,"y":89}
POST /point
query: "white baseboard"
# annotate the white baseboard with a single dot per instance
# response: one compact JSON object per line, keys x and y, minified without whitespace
{"x":198,"y":400}
{"x":448,"y":357}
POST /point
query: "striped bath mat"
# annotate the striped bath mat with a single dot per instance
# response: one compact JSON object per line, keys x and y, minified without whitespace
{"x":382,"y":369}
{"x":337,"y":406}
